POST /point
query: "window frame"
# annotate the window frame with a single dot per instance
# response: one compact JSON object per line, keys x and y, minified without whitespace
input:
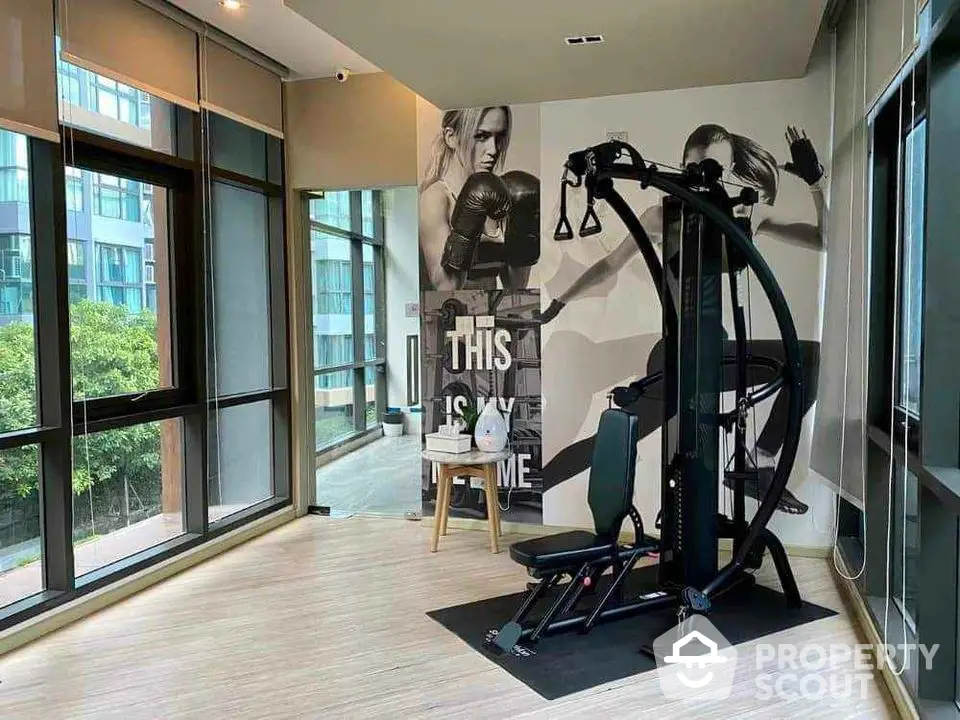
{"x":926,"y":451}
{"x":278,"y":291}
{"x":103,"y":156}
{"x":902,"y":414}
{"x":891,"y":131}
{"x":59,"y":424}
{"x":358,"y":366}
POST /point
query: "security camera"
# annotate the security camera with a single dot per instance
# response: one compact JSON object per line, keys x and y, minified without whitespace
{"x":342,"y":74}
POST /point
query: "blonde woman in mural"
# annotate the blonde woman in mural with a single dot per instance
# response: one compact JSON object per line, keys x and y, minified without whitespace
{"x":593,"y":367}
{"x":477,"y":227}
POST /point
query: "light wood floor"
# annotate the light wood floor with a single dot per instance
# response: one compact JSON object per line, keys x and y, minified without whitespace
{"x":325,"y":618}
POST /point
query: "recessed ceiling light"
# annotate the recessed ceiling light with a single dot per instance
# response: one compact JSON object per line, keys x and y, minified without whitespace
{"x":584,"y":39}
{"x":231,"y":4}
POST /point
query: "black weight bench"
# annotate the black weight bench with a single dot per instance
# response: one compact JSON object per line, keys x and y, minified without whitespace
{"x":584,"y":556}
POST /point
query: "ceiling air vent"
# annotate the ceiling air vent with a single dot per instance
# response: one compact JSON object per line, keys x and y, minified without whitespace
{"x":584,"y":39}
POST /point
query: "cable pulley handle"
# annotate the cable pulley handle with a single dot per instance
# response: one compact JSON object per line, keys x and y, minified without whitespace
{"x":587,"y":230}
{"x":563,"y":231}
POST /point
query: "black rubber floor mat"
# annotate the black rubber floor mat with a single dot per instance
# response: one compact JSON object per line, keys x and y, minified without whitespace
{"x":570,"y":662}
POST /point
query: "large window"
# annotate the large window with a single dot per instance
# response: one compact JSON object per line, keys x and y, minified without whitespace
{"x":911,"y":298}
{"x":127,"y":495}
{"x":346,"y":239}
{"x":21,"y":561}
{"x":890,"y":582}
{"x":21,"y":569}
{"x":110,"y":299}
{"x":905,"y":534}
{"x":241,"y":459}
{"x":247,"y":368}
{"x":905,"y":545}
{"x":241,"y":290}
{"x":128,"y":476}
{"x":144,"y":401}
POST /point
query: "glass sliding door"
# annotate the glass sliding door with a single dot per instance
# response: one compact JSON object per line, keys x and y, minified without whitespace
{"x":347,"y":242}
{"x":349,"y":347}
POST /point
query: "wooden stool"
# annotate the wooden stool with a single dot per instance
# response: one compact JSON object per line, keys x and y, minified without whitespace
{"x":476,"y":464}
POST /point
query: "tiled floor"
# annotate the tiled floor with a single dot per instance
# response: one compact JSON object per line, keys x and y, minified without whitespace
{"x":382,"y":478}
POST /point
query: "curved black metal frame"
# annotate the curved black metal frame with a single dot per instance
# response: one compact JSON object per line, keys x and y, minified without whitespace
{"x":598,"y":167}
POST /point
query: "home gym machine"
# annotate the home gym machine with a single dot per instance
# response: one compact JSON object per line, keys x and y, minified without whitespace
{"x":703,"y":240}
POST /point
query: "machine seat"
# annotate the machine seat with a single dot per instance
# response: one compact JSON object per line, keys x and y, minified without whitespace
{"x":568,"y":549}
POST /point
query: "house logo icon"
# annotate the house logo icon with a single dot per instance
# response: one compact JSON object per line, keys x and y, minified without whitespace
{"x":695,"y":661}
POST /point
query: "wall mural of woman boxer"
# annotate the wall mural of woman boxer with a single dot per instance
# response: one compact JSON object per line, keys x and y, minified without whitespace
{"x":479,"y":229}
{"x":479,"y":242}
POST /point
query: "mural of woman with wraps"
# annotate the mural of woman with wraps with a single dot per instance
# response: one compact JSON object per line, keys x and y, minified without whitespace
{"x":606,"y":364}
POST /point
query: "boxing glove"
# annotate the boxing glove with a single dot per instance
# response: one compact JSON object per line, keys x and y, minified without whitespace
{"x":483,"y":195}
{"x":522,"y":234}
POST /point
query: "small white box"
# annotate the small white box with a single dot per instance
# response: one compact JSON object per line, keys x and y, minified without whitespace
{"x":448,"y":443}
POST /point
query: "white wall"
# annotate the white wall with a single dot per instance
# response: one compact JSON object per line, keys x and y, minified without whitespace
{"x":402,"y":268}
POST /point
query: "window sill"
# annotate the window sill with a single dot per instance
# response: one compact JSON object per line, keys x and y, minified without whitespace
{"x":347,"y":444}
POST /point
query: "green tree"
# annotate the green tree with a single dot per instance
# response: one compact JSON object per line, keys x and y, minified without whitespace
{"x":18,"y":409}
{"x":113,"y":352}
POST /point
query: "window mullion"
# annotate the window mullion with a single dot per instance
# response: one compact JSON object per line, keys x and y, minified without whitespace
{"x":48,"y":205}
{"x":356,"y":304}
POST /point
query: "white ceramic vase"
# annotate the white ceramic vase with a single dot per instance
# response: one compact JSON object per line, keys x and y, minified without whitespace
{"x":490,"y":433}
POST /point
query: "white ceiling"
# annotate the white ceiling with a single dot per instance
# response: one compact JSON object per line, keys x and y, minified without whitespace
{"x":281,"y":34}
{"x":460,"y":53}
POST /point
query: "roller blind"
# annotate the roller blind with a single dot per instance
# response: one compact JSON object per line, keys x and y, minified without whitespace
{"x":28,"y":78}
{"x":839,"y":422}
{"x":240,"y":89}
{"x":133,"y":44}
{"x":886,"y":46}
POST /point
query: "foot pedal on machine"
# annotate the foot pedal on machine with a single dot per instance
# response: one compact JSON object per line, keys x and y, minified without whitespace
{"x":506,"y":638}
{"x":694,"y":601}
